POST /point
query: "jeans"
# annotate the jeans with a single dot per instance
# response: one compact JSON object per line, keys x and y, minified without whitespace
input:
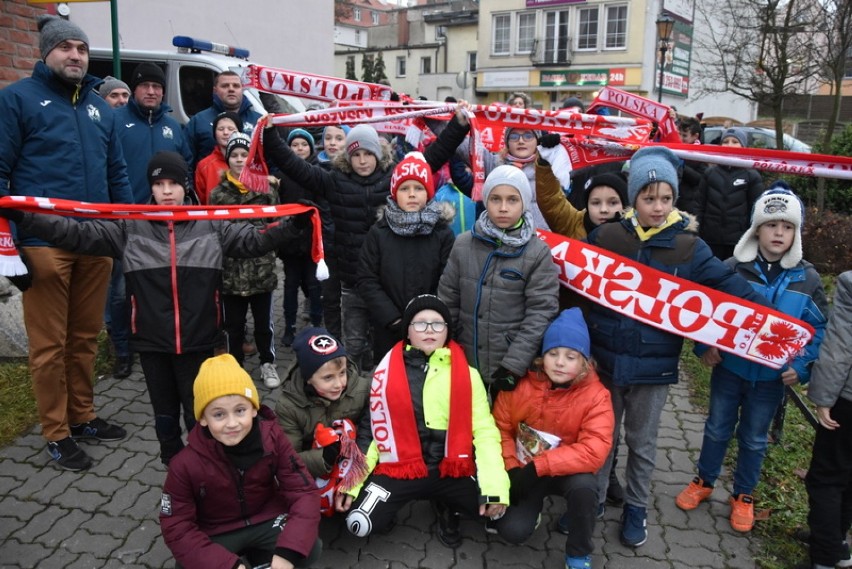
{"x":117,"y":315}
{"x":639,"y":407}
{"x":748,"y":406}
{"x":356,"y":327}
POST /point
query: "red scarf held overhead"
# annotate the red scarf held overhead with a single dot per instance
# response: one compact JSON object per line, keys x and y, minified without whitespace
{"x":394,"y":426}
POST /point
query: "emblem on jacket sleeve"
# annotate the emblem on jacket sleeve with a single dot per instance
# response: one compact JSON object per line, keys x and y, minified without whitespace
{"x":94,"y":113}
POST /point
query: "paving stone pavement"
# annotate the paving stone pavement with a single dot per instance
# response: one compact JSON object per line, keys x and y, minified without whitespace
{"x":107,"y":517}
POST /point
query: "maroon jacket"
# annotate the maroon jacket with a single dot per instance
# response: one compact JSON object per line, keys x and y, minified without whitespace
{"x":205,"y":495}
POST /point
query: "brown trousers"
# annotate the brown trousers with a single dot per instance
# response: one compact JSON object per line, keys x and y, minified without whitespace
{"x":63,"y":314}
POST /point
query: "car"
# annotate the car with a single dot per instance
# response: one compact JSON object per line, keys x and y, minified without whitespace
{"x":757,"y":138}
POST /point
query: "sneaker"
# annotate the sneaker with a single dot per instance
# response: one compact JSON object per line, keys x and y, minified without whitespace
{"x":578,"y":562}
{"x":269,"y":375}
{"x":287,"y":339}
{"x":614,"y":492}
{"x":122,"y":367}
{"x":742,"y":512}
{"x":98,"y":429}
{"x":491,"y":527}
{"x":845,"y":557}
{"x":694,"y":494}
{"x":448,"y":525}
{"x":633,"y":526}
{"x":68,"y":455}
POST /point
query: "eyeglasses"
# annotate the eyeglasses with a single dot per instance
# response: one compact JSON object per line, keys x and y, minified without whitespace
{"x":516,"y":136}
{"x":437,"y":327}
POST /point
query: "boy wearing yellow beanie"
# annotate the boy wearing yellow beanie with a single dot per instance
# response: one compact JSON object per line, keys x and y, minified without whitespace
{"x":238,"y":495}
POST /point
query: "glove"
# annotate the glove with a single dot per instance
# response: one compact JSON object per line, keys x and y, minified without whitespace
{"x":504,"y":380}
{"x":330,"y":454}
{"x":549,"y":140}
{"x":521,"y":480}
{"x":12,"y":214}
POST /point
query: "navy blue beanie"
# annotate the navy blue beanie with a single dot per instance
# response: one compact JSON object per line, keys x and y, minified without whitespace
{"x":569,"y":330}
{"x":315,"y":347}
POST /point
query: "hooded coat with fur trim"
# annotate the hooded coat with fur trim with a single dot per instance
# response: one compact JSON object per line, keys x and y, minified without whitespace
{"x":353,"y":199}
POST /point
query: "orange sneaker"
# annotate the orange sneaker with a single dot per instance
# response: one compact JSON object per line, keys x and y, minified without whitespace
{"x":742,"y":512}
{"x":693,"y":494}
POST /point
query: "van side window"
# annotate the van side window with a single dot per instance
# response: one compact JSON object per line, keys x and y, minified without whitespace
{"x":196,"y":88}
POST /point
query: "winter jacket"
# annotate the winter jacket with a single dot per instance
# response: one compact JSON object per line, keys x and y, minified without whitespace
{"x":434,"y":394}
{"x":246,"y":276}
{"x":724,"y":202}
{"x":208,"y":174}
{"x":501,"y":299}
{"x":299,"y":413}
{"x":51,"y":147}
{"x":831,"y":377}
{"x":629,"y":352}
{"x":173,"y":270}
{"x":394,"y":269}
{"x":560,"y":214}
{"x":353,"y":199}
{"x":796,"y":292}
{"x":143,"y":134}
{"x":580,"y":415}
{"x":199,"y":129}
{"x":289,"y":191}
{"x":464,"y":207}
{"x":206,"y":495}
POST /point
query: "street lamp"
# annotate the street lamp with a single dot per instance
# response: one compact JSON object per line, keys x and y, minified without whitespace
{"x":664,"y":32}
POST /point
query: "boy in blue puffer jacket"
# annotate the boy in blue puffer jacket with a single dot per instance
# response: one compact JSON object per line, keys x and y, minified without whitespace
{"x":746,"y":394}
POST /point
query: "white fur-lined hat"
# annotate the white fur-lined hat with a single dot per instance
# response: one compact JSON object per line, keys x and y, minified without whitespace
{"x":778,"y":203}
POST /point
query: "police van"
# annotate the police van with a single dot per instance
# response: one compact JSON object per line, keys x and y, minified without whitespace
{"x":190,"y":71}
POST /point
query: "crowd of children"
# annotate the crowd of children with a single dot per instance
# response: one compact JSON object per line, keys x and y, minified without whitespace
{"x":453,"y":377}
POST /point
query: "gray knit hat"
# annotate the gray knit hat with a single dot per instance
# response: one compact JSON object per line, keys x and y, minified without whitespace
{"x":110,"y":84}
{"x":363,"y":136}
{"x":54,"y":30}
{"x":737,"y":133}
{"x":649,"y":165}
{"x":509,"y":176}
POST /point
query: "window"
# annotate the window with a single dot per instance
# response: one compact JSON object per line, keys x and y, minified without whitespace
{"x":526,"y":33}
{"x":848,"y":73}
{"x":375,"y":18}
{"x":356,"y":14}
{"x":471,"y":61}
{"x":400,"y":66}
{"x":587,"y":33}
{"x":425,"y":65}
{"x":440,"y":32}
{"x":556,"y":37}
{"x":501,"y":30}
{"x":616,"y":27}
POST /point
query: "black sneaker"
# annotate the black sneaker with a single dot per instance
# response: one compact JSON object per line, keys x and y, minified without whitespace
{"x":448,"y":525}
{"x":122,"y":367}
{"x":98,"y":429}
{"x":68,"y":455}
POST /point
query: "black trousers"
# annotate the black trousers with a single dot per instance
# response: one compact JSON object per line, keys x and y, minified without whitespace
{"x":236,"y":308}
{"x":382,"y":497}
{"x":829,"y":484}
{"x":581,"y":493}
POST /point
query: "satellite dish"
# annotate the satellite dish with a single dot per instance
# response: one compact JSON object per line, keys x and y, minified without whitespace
{"x":461,"y":79}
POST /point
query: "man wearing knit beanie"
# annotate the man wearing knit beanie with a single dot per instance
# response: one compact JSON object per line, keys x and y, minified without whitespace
{"x":114,"y":91}
{"x":64,"y":305}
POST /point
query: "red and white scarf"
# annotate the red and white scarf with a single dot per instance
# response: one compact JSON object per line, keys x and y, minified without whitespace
{"x":350,"y":468}
{"x":70,"y":208}
{"x":394,"y":426}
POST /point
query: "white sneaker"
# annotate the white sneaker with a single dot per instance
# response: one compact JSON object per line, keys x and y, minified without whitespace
{"x":269,"y":375}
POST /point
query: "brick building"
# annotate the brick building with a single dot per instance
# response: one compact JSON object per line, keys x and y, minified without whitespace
{"x":18,"y":40}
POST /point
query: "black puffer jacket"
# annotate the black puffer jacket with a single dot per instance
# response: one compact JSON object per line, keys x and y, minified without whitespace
{"x":353,"y":199}
{"x":724,"y":202}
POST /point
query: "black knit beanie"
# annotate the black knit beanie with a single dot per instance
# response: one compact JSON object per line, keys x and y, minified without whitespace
{"x":166,"y":165}
{"x":147,"y":71}
{"x":228,"y":115}
{"x":612,"y":179}
{"x":426,"y":302}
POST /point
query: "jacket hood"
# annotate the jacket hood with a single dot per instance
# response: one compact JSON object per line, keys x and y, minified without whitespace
{"x":134,"y":108}
{"x":294,"y":387}
{"x":341,"y":162}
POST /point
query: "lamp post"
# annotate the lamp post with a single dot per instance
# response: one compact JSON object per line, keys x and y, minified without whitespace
{"x":664,"y":32}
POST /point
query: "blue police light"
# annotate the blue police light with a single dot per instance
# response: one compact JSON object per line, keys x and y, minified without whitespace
{"x":197,"y":45}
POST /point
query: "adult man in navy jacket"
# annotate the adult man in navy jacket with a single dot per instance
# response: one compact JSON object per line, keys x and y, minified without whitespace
{"x":58,"y":139}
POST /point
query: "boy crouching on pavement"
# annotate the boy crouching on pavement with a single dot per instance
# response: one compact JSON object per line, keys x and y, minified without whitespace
{"x":238,"y":495}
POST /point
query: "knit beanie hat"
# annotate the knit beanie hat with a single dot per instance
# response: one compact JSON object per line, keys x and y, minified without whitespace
{"x":228,"y":115}
{"x":426,"y":302}
{"x":510,"y":176}
{"x":413,"y":167}
{"x":237,"y":140}
{"x":778,"y":203}
{"x":569,"y":102}
{"x":167,"y":165}
{"x":613,"y":180}
{"x":510,"y":130}
{"x":315,"y":347}
{"x":343,"y":127}
{"x":219,"y":376}
{"x":147,"y":71}
{"x":110,"y":84}
{"x":301,"y":133}
{"x":737,"y":133}
{"x":55,"y":30}
{"x":363,"y":136}
{"x":652,"y":164}
{"x":569,"y":330}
